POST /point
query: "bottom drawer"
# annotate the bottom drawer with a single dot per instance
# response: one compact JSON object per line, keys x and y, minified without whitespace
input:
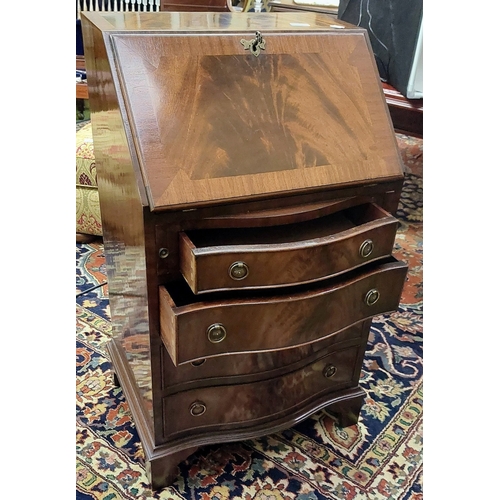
{"x":245,"y":405}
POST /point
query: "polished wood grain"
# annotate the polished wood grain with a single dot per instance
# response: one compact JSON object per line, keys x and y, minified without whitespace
{"x":290,"y":5}
{"x":81,"y":88}
{"x":214,"y":21}
{"x":80,"y":62}
{"x":407,"y":115}
{"x":82,"y":91}
{"x":248,"y":368}
{"x":287,"y":254}
{"x":347,"y":410}
{"x":267,"y":322}
{"x":301,"y":116}
{"x":293,"y":209}
{"x":123,"y":203}
{"x":284,"y":214}
{"x":196,"y":5}
{"x":251,"y":404}
{"x":345,"y":403}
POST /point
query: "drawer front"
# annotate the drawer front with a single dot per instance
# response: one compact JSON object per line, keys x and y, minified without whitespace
{"x":244,"y":405}
{"x":265,"y":323}
{"x":250,"y":258}
{"x":250,"y":367}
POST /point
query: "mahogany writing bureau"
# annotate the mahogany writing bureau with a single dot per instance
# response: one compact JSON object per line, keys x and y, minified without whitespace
{"x":247,"y":172}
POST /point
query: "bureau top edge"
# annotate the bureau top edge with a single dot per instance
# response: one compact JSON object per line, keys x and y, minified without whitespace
{"x":239,"y":117}
{"x":217,"y":21}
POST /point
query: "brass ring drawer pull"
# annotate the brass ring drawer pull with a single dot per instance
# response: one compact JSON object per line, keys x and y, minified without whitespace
{"x":372,"y":297}
{"x":238,"y":270}
{"x":216,"y":333}
{"x":329,"y":371}
{"x":366,"y":248}
{"x":198,"y":362}
{"x":197,"y":409}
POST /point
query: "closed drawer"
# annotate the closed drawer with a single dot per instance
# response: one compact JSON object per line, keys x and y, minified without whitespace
{"x":262,"y":257}
{"x":244,"y":405}
{"x":193,"y":329}
{"x":251,"y":367}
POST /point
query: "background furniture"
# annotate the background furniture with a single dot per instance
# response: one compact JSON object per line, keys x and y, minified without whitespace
{"x":88,"y":213}
{"x":196,"y":5}
{"x":406,"y":114}
{"x":396,"y":33}
{"x":291,"y":6}
{"x":395,"y":29}
{"x":248,"y":227}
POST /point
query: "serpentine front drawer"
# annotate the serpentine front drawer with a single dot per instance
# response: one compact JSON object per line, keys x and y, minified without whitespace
{"x":243,"y":405}
{"x":251,"y":367}
{"x":304,"y":252}
{"x":194,"y":329}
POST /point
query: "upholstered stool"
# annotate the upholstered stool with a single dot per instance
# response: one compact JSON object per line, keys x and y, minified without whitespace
{"x":411,"y":149}
{"x":88,"y":213}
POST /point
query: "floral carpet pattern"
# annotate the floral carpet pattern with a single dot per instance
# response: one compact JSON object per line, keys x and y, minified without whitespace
{"x":379,"y":458}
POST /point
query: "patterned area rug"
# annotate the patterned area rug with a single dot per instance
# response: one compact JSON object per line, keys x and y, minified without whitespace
{"x":379,"y":458}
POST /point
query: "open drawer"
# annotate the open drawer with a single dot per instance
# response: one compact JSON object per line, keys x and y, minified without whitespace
{"x":290,"y":254}
{"x":194,"y":329}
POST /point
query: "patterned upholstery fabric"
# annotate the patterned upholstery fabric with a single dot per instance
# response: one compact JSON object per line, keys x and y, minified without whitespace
{"x":88,"y":214}
{"x":412,"y":153}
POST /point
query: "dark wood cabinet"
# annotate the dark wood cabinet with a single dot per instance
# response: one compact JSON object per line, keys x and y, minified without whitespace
{"x":195,"y":5}
{"x":291,"y":5}
{"x":248,"y":176}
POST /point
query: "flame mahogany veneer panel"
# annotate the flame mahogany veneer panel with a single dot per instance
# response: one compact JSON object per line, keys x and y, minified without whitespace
{"x":212,"y":122}
{"x":244,"y":405}
{"x":250,"y":367}
{"x":275,"y":320}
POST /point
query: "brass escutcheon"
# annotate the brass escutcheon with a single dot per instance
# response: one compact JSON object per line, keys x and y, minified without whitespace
{"x":216,"y":333}
{"x":372,"y":297}
{"x":197,"y":409}
{"x":366,"y":248}
{"x":254,"y":45}
{"x":329,"y":371}
{"x":238,"y":270}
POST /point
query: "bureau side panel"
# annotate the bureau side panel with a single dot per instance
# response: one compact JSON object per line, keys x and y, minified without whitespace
{"x":122,"y":204}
